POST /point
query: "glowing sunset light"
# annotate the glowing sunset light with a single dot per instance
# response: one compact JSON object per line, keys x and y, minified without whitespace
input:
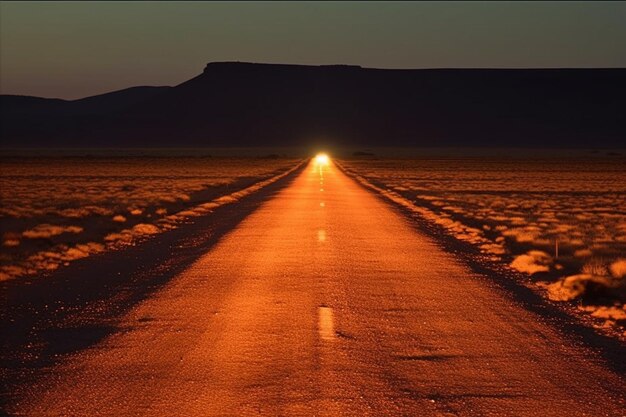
{"x":322,"y":159}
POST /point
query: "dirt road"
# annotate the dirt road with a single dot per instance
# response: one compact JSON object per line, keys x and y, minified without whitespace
{"x":325,"y":301}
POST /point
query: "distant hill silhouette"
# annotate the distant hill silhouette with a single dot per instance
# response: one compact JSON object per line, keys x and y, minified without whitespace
{"x":243,"y":104}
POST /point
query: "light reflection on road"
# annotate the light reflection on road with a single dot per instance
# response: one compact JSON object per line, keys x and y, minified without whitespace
{"x":326,"y":325}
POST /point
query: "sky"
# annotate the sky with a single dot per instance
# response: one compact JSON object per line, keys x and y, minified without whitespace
{"x":77,"y":49}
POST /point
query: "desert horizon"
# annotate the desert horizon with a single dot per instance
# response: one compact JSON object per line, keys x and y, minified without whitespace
{"x":312,"y":209}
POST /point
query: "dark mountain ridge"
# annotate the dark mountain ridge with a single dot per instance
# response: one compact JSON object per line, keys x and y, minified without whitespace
{"x":243,"y":104}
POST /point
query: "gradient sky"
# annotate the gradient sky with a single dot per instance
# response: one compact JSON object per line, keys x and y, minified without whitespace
{"x":77,"y":49}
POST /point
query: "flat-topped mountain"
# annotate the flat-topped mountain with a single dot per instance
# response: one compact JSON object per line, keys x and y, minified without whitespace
{"x":245,"y":104}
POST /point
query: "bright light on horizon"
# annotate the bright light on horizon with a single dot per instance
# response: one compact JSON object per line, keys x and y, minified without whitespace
{"x":322,"y":159}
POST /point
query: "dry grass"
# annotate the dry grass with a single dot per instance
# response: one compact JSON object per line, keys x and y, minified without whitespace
{"x":562,"y":221}
{"x":55,"y":210}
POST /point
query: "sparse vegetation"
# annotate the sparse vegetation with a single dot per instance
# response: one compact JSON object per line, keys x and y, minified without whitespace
{"x":55,"y":210}
{"x":561,"y":221}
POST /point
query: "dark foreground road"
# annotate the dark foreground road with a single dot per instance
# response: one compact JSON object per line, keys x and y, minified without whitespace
{"x":325,"y":301}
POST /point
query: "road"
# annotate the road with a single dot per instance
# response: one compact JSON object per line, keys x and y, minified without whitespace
{"x":325,"y":301}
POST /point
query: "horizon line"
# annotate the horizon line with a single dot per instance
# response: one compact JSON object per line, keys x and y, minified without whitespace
{"x":336,"y":65}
